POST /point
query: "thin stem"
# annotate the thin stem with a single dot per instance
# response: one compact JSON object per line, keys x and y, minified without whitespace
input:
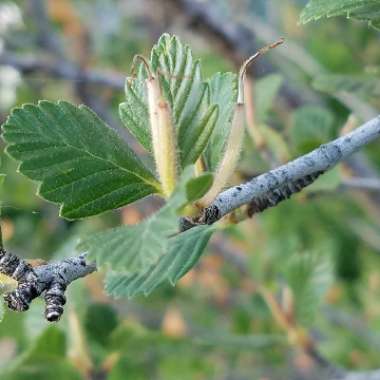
{"x":244,"y":66}
{"x":146,"y":63}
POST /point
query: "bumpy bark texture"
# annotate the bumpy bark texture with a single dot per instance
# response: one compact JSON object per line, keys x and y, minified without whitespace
{"x":51,"y":279}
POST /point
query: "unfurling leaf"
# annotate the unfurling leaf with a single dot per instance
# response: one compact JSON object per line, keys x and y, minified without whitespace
{"x":194,"y":115}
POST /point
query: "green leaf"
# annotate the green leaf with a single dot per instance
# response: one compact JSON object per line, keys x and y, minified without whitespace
{"x":81,"y":163}
{"x":183,"y":253}
{"x":197,"y":187}
{"x":45,"y":360}
{"x":366,"y":86}
{"x":367,"y":10}
{"x":134,"y":247}
{"x":223,"y":93}
{"x":309,"y":276}
{"x":266,"y":90}
{"x":312,"y":126}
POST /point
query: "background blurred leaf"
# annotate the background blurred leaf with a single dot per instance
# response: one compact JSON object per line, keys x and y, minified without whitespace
{"x":328,"y":181}
{"x":309,"y":276}
{"x":100,"y":320}
{"x":367,"y":10}
{"x":312,"y":126}
{"x":366,"y":86}
{"x":265,"y":91}
{"x":44,"y":360}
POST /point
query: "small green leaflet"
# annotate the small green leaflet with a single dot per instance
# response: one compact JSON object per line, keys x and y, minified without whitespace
{"x":197,"y":187}
{"x":81,"y":163}
{"x":134,"y":247}
{"x":183,"y":253}
{"x":188,"y":95}
{"x":366,"y":10}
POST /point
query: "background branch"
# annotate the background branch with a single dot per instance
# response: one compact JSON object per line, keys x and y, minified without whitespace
{"x":61,"y":69}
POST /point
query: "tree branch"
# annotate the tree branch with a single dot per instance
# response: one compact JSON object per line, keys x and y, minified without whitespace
{"x":51,"y":279}
{"x":368,"y":375}
{"x":270,"y":187}
{"x":362,"y":183}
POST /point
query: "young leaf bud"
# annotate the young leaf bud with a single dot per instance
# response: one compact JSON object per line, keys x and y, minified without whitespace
{"x":162,"y":132}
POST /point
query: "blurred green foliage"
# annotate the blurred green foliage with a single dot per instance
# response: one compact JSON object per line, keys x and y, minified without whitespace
{"x":323,"y":244}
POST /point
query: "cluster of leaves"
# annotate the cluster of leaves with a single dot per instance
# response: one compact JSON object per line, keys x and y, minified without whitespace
{"x":301,"y":244}
{"x":87,"y":168}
